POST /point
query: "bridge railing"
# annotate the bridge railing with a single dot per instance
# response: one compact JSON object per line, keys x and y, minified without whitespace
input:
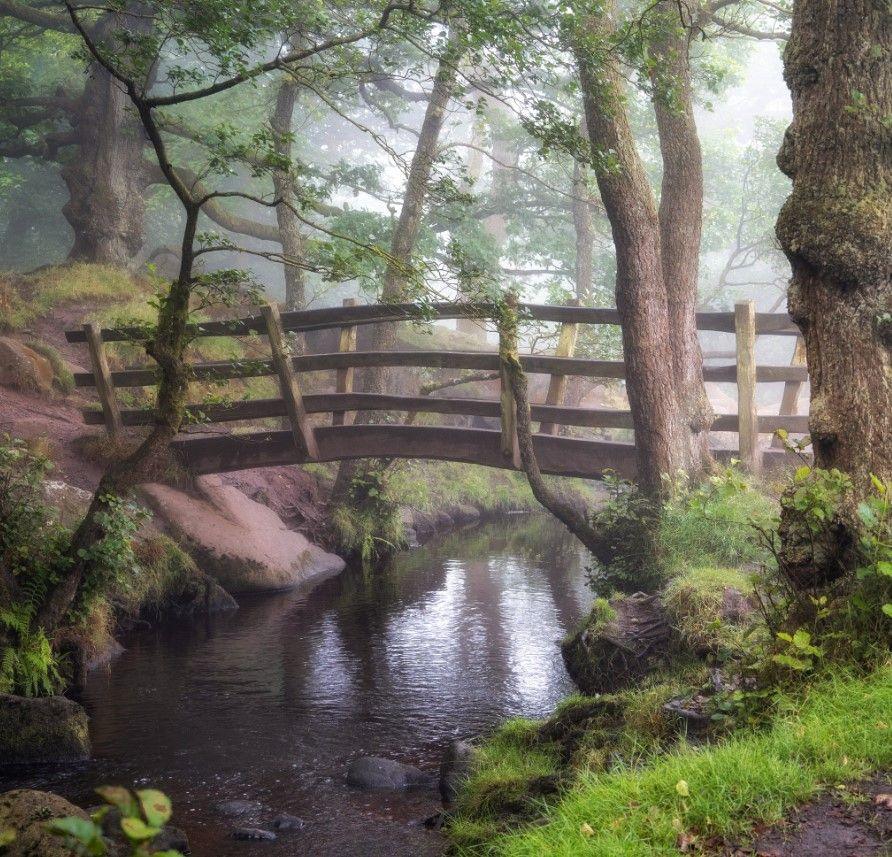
{"x":296,"y":405}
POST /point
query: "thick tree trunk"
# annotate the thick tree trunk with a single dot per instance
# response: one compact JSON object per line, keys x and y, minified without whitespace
{"x":640,"y":291}
{"x":681,"y":219}
{"x":836,"y":227}
{"x":105,"y":179}
{"x":283,"y":184}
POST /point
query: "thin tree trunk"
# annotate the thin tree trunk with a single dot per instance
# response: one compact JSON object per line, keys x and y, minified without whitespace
{"x":283,"y":183}
{"x":836,"y":227}
{"x":585,"y":235}
{"x":640,"y":289}
{"x":681,"y":219}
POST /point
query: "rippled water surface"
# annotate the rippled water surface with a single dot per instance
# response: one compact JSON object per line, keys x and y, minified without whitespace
{"x":270,"y":703}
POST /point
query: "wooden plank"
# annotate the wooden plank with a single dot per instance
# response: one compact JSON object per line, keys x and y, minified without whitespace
{"x":344,"y":381}
{"x":560,"y":456}
{"x":319,"y":319}
{"x":557,"y":384}
{"x":748,"y":429}
{"x":301,"y":429}
{"x":789,"y":405}
{"x":102,"y":378}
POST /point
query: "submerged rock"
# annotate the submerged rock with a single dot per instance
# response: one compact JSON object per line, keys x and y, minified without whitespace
{"x":454,"y":769}
{"x":243,"y":544}
{"x":375,"y":772}
{"x":608,"y":655}
{"x":35,"y":731}
{"x":253,"y":834}
{"x":284,"y":821}
{"x":26,"y":813}
{"x":239,"y":808}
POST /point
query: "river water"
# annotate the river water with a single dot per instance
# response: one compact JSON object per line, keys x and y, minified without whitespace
{"x":271,"y":702}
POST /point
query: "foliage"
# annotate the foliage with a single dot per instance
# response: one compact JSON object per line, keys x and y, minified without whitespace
{"x":837,"y":732}
{"x":34,"y":554}
{"x":710,"y":525}
{"x":142,"y":818}
{"x":368,"y":524}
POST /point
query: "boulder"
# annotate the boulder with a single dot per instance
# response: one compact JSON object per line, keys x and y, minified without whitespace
{"x":26,"y":813}
{"x":455,"y":767}
{"x":243,"y":544}
{"x":609,"y":655}
{"x":201,"y":595}
{"x":49,"y":729}
{"x":285,"y":821}
{"x":23,"y":368}
{"x":376,"y":773}
{"x":71,"y":502}
{"x":464,"y":515}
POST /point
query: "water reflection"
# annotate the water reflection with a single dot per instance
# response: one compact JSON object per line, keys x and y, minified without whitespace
{"x":271,"y":703}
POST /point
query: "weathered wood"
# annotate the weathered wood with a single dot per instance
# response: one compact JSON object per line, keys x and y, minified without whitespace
{"x":301,"y":428}
{"x":557,"y":384}
{"x":344,"y":382}
{"x":748,"y":420}
{"x":777,"y":324}
{"x":102,"y":378}
{"x":792,"y":389}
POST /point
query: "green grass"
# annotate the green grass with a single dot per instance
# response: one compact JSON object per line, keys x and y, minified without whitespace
{"x":837,"y":732}
{"x":34,"y":295}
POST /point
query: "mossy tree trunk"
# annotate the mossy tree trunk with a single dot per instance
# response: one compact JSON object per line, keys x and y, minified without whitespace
{"x":836,"y":226}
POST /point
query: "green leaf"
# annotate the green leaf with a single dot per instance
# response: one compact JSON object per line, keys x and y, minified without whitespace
{"x":802,"y":472}
{"x":887,"y":609}
{"x":884,"y":567}
{"x":136,"y":830}
{"x":120,"y":797}
{"x":682,"y":788}
{"x":878,"y":484}
{"x":155,"y":806}
{"x":801,"y":639}
{"x":791,"y":662}
{"x":81,"y":829}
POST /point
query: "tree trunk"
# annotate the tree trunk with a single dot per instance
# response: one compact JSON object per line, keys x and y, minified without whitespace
{"x":640,"y":290}
{"x":836,"y":227}
{"x":585,"y":235}
{"x":397,"y":276}
{"x":283,"y":184}
{"x":105,"y":179}
{"x":681,"y":219}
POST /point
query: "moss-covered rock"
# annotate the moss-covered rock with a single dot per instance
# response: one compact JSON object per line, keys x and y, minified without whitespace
{"x":49,"y":729}
{"x":26,"y":813}
{"x":616,"y":646}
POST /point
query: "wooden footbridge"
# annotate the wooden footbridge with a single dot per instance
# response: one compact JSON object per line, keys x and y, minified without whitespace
{"x":314,"y":436}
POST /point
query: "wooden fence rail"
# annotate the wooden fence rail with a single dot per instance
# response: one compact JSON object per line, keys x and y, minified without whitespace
{"x":423,"y":440}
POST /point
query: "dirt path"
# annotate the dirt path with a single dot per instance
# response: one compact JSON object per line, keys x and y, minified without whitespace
{"x":854,"y":821}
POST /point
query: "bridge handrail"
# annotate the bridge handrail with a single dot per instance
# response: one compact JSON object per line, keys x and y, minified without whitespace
{"x":775,"y":324}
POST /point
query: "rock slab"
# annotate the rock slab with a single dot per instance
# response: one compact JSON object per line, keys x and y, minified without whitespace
{"x":243,"y":544}
{"x":38,"y":731}
{"x":24,"y":368}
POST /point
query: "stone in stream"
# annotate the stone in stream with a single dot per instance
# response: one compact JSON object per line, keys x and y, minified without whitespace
{"x":239,"y":808}
{"x":48,"y":729}
{"x":375,"y":772}
{"x":253,"y":834}
{"x":454,"y":768}
{"x":284,"y":821}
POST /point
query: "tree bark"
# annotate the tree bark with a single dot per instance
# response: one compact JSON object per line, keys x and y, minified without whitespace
{"x":292,"y":238}
{"x":585,"y":235}
{"x":660,"y":440}
{"x":836,"y":227}
{"x":106,"y":183}
{"x":681,"y":220}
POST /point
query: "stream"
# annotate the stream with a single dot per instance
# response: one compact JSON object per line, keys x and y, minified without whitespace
{"x":270,"y":703}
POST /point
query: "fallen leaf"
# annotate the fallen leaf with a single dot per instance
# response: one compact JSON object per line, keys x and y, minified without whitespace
{"x":684,"y":842}
{"x":586,"y":829}
{"x":682,"y":788}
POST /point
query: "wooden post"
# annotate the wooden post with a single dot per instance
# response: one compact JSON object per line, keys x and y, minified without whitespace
{"x":789,"y":405}
{"x":747,"y":414}
{"x":557,"y":384}
{"x":345,"y":376}
{"x":304,"y":436}
{"x":103,"y":380}
{"x":508,"y":405}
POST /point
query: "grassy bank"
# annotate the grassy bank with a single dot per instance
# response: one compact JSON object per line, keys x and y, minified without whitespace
{"x":837,"y":731}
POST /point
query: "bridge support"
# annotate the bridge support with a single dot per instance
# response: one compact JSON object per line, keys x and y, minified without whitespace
{"x":347,"y":342}
{"x":557,"y":384}
{"x":105,"y":387}
{"x":748,"y":427}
